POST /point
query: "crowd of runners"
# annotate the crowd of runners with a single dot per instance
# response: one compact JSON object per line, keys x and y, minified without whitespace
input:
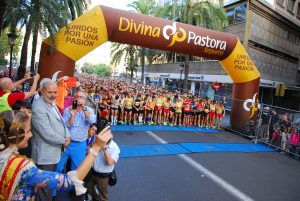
{"x":133,"y":104}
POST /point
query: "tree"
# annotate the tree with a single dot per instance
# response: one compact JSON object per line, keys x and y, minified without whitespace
{"x":146,"y":7}
{"x":128,"y":52}
{"x":43,"y":16}
{"x":5,"y":47}
{"x":88,"y":68}
{"x":203,"y":13}
{"x":103,"y":71}
{"x":76,"y":7}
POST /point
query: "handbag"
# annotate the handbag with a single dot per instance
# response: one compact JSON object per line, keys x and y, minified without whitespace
{"x":112,"y":178}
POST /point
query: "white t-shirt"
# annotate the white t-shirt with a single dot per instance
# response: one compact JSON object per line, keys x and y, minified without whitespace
{"x":100,"y":164}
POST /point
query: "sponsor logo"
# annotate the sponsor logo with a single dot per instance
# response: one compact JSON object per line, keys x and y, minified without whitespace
{"x":174,"y":34}
{"x":251,"y":104}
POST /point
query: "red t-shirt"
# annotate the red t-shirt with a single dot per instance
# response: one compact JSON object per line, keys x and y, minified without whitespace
{"x":13,"y":97}
{"x":187,"y":105}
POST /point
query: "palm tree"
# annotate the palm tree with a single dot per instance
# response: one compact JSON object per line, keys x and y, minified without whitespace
{"x":43,"y":16}
{"x":76,"y":7}
{"x":146,"y":7}
{"x":203,"y":13}
{"x":119,"y":51}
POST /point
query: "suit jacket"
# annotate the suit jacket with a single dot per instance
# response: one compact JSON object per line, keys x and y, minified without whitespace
{"x":49,"y":133}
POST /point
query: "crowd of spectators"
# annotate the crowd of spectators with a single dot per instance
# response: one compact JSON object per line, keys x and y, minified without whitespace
{"x":279,"y":131}
{"x":32,"y":122}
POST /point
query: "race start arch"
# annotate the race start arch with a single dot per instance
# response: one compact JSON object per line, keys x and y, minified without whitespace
{"x":102,"y":24}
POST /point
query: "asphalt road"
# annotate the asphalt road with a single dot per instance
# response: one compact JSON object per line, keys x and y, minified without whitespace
{"x":262,"y":176}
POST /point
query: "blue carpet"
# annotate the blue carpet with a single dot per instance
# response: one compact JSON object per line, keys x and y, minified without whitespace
{"x":223,"y":147}
{"x":152,"y":150}
{"x":188,"y":148}
{"x":122,"y":128}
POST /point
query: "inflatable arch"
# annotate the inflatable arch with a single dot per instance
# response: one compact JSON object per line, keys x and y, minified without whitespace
{"x":102,"y":24}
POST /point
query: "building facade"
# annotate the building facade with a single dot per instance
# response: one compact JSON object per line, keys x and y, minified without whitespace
{"x":270,"y":32}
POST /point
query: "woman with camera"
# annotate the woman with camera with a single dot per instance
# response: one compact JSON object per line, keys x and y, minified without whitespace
{"x":19,"y":176}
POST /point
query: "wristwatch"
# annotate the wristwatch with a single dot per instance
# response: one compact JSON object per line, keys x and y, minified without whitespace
{"x":92,"y":151}
{"x":104,"y":148}
{"x":84,"y":109}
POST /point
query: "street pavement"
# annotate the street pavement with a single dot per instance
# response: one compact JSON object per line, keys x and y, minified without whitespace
{"x":206,"y":176}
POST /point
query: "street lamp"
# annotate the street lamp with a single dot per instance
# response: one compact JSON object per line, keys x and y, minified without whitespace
{"x":181,"y":66}
{"x":181,"y":69}
{"x":11,"y":41}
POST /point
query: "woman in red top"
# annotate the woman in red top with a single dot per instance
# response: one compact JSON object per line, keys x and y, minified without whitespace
{"x":186,"y":111}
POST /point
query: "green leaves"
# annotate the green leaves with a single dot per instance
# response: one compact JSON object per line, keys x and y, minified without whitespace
{"x":5,"y":47}
{"x":99,"y":69}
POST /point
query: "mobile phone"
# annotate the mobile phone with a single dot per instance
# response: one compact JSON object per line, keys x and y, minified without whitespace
{"x":74,"y":104}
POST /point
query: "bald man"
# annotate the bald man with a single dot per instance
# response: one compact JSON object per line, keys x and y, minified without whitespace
{"x":8,"y":99}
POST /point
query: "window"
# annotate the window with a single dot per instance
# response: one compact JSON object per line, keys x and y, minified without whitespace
{"x":291,"y":5}
{"x":298,"y":10}
{"x":230,"y":15}
{"x":240,"y":14}
{"x":237,"y":14}
{"x":280,"y":2}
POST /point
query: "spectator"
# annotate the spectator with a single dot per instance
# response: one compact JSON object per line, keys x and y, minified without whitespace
{"x":265,"y":120}
{"x":25,"y":107}
{"x":91,"y":135}
{"x":294,"y":140}
{"x":7,"y":99}
{"x":103,"y":166}
{"x":18,"y":181}
{"x":275,"y":135}
{"x":284,"y":139}
{"x":286,"y":122}
{"x":49,"y":133}
{"x":274,"y":119}
{"x":78,"y":121}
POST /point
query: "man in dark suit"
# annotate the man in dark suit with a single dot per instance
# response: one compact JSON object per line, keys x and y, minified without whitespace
{"x":49,"y":133}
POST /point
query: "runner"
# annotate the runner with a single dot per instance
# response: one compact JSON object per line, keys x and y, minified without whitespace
{"x":128,"y":103}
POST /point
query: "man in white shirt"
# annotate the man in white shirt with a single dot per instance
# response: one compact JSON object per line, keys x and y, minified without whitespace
{"x":103,"y":166}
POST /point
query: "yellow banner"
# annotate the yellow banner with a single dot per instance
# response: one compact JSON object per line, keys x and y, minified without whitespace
{"x":239,"y":66}
{"x":82,"y":35}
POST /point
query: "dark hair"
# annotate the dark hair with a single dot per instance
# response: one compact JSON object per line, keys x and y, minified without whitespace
{"x":93,"y":124}
{"x":12,"y":125}
{"x":22,"y":104}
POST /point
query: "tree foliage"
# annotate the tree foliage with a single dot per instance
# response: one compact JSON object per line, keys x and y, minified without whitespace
{"x":101,"y":70}
{"x":5,"y":47}
{"x":40,"y":17}
{"x":128,"y":52}
{"x":204,"y":13}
